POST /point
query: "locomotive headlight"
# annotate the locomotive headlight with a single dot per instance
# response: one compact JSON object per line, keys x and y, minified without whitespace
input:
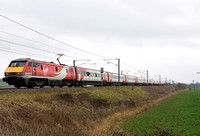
{"x":21,"y":73}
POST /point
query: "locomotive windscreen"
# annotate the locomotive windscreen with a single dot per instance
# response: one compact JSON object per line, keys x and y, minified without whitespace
{"x":17,"y":64}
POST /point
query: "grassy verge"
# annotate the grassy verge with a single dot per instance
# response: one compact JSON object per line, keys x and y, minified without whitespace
{"x":177,"y":116}
{"x":71,"y":113}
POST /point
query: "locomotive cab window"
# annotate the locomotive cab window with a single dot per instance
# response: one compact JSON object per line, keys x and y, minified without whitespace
{"x":56,"y":68}
{"x":17,"y":64}
{"x":66,"y":70}
{"x":41,"y":67}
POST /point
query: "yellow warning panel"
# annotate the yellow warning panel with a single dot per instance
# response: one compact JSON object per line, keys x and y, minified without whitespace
{"x":14,"y":69}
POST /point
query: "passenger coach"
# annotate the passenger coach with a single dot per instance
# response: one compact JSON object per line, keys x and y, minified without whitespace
{"x":30,"y":73}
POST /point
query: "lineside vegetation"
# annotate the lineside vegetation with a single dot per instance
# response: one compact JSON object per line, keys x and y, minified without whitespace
{"x":83,"y":112}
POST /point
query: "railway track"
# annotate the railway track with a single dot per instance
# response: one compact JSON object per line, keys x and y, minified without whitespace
{"x":46,"y":89}
{"x":28,"y":90}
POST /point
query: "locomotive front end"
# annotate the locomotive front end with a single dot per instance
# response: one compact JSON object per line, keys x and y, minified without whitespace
{"x":15,"y":72}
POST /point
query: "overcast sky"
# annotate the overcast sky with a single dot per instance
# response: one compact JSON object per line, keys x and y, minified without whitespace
{"x":161,"y":36}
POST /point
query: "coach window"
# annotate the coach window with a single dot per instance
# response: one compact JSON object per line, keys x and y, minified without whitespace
{"x":83,"y":73}
{"x":88,"y":73}
{"x":41,"y":67}
{"x":56,"y":68}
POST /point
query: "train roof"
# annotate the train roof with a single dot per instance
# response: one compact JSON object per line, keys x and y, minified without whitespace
{"x":27,"y":59}
{"x":22,"y":59}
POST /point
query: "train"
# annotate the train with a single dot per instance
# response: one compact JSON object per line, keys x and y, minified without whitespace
{"x":26,"y":72}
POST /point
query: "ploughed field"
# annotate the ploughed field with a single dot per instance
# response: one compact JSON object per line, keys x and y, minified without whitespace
{"x":180,"y":115}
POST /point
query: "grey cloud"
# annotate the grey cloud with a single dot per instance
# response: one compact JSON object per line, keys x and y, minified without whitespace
{"x":126,"y":23}
{"x":119,"y":19}
{"x":129,"y":22}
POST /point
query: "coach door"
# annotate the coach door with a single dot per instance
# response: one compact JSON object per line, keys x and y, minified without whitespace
{"x":79,"y":75}
{"x":108,"y":78}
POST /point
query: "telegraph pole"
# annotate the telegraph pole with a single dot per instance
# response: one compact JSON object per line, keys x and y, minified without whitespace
{"x":74,"y":63}
{"x":118,"y":72}
{"x":143,"y":71}
{"x":193,"y":84}
{"x":101,"y":70}
{"x":147,"y":76}
{"x":118,"y":68}
{"x":160,"y":79}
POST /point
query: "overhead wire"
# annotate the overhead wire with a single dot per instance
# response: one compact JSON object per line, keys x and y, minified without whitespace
{"x":45,"y":35}
{"x":130,"y":66}
{"x":23,"y":53}
{"x":48,"y":45}
{"x":34,"y":48}
{"x":49,"y":36}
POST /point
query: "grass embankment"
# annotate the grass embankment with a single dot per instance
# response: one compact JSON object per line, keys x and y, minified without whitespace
{"x":178,"y":116}
{"x":72,"y":113}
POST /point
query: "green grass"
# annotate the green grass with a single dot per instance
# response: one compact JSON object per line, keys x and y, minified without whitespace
{"x":63,"y":113}
{"x":180,"y":115}
{"x":71,"y":113}
{"x":108,"y":94}
{"x":5,"y":85}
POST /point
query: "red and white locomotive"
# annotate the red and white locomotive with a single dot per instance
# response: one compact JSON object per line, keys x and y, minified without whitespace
{"x":30,"y":73}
